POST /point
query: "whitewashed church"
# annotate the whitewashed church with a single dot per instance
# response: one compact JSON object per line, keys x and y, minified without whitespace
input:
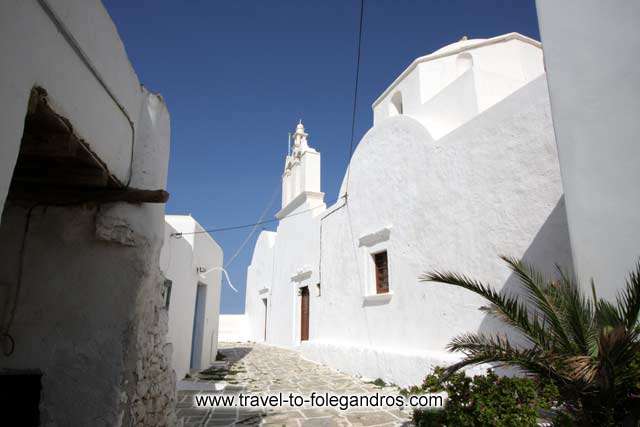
{"x":459,"y":167}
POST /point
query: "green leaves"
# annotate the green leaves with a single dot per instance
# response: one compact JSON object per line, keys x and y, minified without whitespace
{"x":485,"y":400}
{"x":589,"y":347}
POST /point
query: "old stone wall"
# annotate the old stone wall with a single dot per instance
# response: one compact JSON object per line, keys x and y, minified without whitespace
{"x":89,"y":313}
{"x":152,"y":400}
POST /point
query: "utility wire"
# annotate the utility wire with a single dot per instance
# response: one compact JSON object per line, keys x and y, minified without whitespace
{"x":73,"y":43}
{"x":353,"y":126}
{"x":238,"y":227}
{"x":255,"y":226}
{"x":6,"y":334}
{"x":355,"y":98}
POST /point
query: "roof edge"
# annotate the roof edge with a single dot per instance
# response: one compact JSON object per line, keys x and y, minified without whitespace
{"x":432,"y":56}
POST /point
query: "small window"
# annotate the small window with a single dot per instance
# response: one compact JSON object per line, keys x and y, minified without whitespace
{"x":382,"y":272}
{"x":464,"y":62}
{"x":166,"y":292}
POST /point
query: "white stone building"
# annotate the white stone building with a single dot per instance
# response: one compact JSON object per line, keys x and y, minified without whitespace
{"x":459,"y":167}
{"x":83,"y":160}
{"x":191,"y":261}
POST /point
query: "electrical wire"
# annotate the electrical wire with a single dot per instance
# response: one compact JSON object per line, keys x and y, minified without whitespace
{"x":73,"y":43}
{"x":353,"y":126}
{"x":225,"y":274}
{"x":261,"y":218}
{"x":6,"y":332}
{"x":355,"y":97}
{"x":238,"y":227}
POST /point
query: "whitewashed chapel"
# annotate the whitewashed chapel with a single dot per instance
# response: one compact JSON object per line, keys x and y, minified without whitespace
{"x":459,"y":167}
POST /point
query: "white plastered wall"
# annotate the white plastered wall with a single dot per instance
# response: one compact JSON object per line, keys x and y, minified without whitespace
{"x":591,"y":54}
{"x":449,"y":87}
{"x":180,"y":260}
{"x":34,"y":52}
{"x":259,"y":284}
{"x":490,"y":187}
{"x":296,"y":257}
{"x":467,"y":172}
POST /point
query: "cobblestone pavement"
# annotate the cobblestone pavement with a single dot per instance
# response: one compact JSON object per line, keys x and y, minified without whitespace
{"x":263,"y":369}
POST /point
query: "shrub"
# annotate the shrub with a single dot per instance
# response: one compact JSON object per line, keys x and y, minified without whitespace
{"x":488,"y":400}
{"x":588,"y":347}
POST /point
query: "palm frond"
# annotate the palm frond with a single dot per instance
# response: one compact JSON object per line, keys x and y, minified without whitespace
{"x":508,"y":309}
{"x":618,"y":348}
{"x":535,"y":284}
{"x":629,"y":300}
{"x":576,"y":315}
{"x":590,"y":348}
{"x":479,"y":348}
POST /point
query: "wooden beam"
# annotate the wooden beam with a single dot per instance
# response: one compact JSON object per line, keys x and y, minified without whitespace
{"x":63,"y":196}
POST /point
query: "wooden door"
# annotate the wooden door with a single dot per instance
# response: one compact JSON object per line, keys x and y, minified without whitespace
{"x":265,"y":319}
{"x":304,"y":313}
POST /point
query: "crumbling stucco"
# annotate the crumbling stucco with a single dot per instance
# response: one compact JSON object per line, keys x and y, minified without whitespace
{"x":90,"y":314}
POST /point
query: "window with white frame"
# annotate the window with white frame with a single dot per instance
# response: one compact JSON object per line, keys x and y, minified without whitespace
{"x":375,"y":255}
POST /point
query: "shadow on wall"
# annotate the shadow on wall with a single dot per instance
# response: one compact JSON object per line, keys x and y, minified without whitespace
{"x":549,"y":247}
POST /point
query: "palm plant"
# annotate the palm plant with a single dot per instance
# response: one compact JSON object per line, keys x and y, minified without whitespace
{"x":589,"y":347}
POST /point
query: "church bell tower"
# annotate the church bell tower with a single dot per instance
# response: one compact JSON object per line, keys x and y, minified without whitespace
{"x":301,"y":177}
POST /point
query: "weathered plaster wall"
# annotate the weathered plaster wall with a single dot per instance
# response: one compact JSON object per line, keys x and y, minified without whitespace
{"x":34,"y":52}
{"x":89,"y":313}
{"x":179,"y":261}
{"x":591,"y":55}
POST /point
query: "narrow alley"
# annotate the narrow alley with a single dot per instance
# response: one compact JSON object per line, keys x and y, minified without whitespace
{"x":264,"y":369}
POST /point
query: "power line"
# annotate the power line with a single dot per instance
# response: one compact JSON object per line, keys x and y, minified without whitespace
{"x":246,"y":240}
{"x":355,"y":97}
{"x":353,"y":126}
{"x":238,"y":227}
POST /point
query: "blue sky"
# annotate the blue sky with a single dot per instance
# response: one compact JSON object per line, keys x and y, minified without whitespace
{"x":237,"y":75}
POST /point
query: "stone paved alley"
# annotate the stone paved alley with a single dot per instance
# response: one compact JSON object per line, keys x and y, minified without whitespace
{"x":266,"y":370}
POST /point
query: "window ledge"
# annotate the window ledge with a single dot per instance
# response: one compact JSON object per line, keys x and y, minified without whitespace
{"x":380,"y":298}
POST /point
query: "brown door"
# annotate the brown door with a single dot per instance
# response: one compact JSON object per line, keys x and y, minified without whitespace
{"x":304,"y":313}
{"x":265,"y":319}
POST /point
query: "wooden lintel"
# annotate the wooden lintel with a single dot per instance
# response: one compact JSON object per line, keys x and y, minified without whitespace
{"x":58,"y":196}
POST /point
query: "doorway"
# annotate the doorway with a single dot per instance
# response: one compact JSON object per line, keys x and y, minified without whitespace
{"x":264,"y":301}
{"x":198,"y":327}
{"x":304,"y":313}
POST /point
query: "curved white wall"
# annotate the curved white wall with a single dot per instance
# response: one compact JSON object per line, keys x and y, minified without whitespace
{"x":468,"y":172}
{"x":490,"y":187}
